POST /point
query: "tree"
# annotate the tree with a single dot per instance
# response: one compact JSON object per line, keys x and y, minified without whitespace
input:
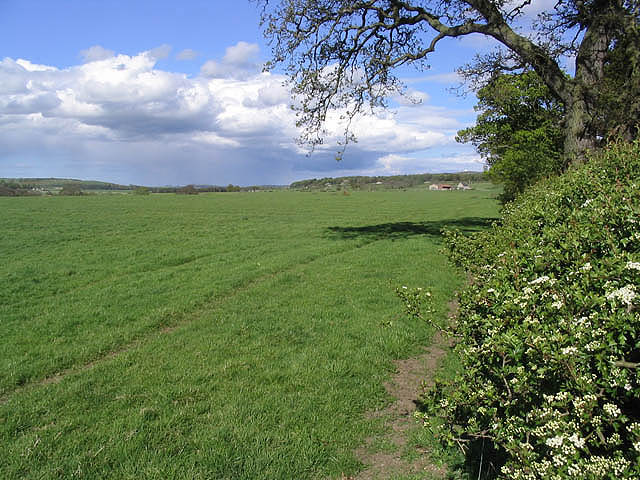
{"x":342,"y":54}
{"x":517,"y":131}
{"x":187,"y":190}
{"x":71,"y":189}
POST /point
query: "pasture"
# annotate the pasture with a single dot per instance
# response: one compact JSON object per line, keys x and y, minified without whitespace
{"x":234,"y":335}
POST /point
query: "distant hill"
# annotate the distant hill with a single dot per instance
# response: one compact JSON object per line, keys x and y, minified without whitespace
{"x":44,"y":186}
{"x":382,"y":182}
{"x":49,"y":186}
{"x":52,"y":185}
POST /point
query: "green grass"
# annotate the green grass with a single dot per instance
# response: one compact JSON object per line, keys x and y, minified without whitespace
{"x":210,"y":336}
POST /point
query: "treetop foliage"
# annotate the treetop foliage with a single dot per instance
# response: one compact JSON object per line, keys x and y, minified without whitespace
{"x":518,"y":131}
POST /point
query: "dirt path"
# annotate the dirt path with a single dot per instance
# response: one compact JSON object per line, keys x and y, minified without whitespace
{"x":405,"y":387}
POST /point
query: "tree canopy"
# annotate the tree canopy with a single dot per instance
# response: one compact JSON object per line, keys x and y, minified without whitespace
{"x":517,"y":131}
{"x":342,"y":55}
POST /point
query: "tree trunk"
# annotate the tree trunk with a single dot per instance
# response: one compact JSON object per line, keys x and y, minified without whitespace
{"x":590,"y":61}
{"x":577,"y":140}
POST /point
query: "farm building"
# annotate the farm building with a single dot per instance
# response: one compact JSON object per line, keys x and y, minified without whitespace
{"x":440,"y":186}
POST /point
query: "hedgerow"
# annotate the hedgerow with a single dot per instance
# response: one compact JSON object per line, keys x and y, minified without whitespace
{"x":547,"y":330}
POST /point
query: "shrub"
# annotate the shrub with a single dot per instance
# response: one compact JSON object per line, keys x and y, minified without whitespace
{"x":71,"y":189}
{"x":141,"y":191}
{"x":548,"y":330}
{"x":187,"y":190}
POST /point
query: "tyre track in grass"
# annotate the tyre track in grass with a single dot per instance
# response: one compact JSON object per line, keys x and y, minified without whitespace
{"x":183,"y":320}
{"x":411,"y":377}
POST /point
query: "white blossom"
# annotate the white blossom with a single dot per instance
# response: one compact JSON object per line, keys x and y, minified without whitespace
{"x":611,"y":409}
{"x":554,"y":442}
{"x":539,"y":280}
{"x":577,"y":441}
{"x":625,"y":294}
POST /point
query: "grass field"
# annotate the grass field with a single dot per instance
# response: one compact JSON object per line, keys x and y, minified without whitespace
{"x":210,"y":336}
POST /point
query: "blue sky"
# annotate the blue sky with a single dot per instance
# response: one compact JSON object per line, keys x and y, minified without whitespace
{"x":166,"y":93}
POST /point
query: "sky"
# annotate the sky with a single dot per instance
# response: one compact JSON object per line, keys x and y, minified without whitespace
{"x":171,"y":93}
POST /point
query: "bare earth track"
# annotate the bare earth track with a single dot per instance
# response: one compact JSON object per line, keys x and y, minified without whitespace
{"x":406,"y":385}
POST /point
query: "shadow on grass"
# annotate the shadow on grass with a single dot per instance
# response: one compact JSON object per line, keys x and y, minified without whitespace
{"x":482,"y":461}
{"x":401,"y":230}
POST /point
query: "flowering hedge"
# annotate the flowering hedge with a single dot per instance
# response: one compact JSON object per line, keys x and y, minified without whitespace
{"x":548,"y":330}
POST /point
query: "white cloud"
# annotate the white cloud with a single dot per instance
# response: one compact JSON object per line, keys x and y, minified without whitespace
{"x":187,"y":54}
{"x":451,"y":78}
{"x":34,"y":67}
{"x":242,"y":53}
{"x":395,"y":164}
{"x":538,"y":6}
{"x":239,"y":61}
{"x":161,"y":52}
{"x":215,"y":139}
{"x":95,"y":53}
{"x":477,"y":41}
{"x":214,"y":69}
{"x":384,"y":133}
{"x":392,"y":163}
{"x":411,"y":98}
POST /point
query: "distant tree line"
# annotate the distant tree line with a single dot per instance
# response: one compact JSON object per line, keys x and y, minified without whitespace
{"x":195,"y":189}
{"x":15,"y":189}
{"x":12,"y":187}
{"x":396,"y":181}
{"x":71,"y":190}
{"x":47,"y":186}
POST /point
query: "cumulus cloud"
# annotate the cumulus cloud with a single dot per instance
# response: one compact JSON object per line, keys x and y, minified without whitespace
{"x":242,"y":53}
{"x":392,"y":163}
{"x":382,"y":134}
{"x":33,"y":67}
{"x":161,"y":52}
{"x":239,"y":61}
{"x":396,"y":164}
{"x":411,"y":98}
{"x":119,"y":117}
{"x":95,"y":53}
